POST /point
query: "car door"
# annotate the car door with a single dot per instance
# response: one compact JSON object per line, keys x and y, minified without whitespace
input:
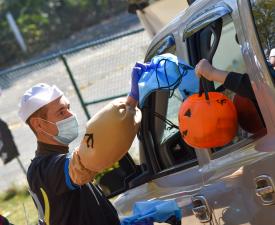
{"x":176,"y":169}
{"x":239,"y":178}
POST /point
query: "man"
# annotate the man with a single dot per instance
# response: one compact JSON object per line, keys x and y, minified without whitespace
{"x":59,"y":182}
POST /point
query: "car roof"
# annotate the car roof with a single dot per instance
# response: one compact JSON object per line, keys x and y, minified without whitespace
{"x":173,"y":25}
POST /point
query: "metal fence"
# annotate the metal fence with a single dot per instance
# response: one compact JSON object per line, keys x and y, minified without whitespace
{"x":89,"y":74}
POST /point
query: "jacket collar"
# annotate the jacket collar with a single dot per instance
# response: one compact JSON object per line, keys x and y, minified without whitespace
{"x":44,"y":149}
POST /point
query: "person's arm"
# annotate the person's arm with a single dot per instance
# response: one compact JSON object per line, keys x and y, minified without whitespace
{"x":240,"y":84}
{"x":55,"y":174}
{"x":236,"y":82}
{"x":62,"y":173}
{"x":77,"y":172}
{"x":205,"y":69}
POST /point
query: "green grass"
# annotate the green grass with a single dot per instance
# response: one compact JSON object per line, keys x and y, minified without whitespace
{"x":12,"y":204}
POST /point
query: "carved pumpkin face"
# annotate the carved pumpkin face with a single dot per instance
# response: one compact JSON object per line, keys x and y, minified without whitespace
{"x":208,"y":123}
{"x":248,"y":116}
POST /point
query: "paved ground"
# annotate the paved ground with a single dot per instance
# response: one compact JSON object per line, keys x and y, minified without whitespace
{"x":100,"y":72}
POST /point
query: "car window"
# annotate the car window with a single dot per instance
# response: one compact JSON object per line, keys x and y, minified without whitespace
{"x":134,"y":151}
{"x":174,"y":100}
{"x":263,"y":13}
{"x":174,"y":103}
{"x":168,"y":45}
{"x":228,"y":57}
{"x":172,"y":150}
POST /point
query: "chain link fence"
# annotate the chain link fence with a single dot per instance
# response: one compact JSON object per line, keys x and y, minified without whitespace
{"x":101,"y":71}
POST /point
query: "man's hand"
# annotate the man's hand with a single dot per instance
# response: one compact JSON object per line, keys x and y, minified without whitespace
{"x":205,"y":69}
{"x":137,"y":71}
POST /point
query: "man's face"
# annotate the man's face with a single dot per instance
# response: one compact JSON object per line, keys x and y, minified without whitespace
{"x":272,"y":60}
{"x":57,"y":110}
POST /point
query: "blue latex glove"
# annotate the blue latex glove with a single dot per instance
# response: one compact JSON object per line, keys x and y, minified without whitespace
{"x":147,"y":212}
{"x":137,"y":71}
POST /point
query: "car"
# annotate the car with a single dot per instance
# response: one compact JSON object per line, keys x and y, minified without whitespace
{"x":233,"y":184}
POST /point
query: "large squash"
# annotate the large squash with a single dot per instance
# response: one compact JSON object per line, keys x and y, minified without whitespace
{"x":208,"y":123}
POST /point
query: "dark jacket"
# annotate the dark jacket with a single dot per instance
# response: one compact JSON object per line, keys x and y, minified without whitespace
{"x":240,"y":84}
{"x":60,"y":201}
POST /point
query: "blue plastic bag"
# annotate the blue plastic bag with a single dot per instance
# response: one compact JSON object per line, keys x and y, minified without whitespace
{"x":145,"y":212}
{"x":167,"y":72}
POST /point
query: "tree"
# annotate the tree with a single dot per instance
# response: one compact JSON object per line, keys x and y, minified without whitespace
{"x":44,"y":22}
{"x":264,"y":14}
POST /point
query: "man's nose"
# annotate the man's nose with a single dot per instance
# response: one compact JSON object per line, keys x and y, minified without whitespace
{"x":69,"y":113}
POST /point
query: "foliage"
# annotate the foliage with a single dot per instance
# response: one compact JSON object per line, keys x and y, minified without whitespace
{"x":12,"y":191}
{"x":44,"y":22}
{"x":19,"y":208}
{"x":264,"y":14}
{"x":100,"y":175}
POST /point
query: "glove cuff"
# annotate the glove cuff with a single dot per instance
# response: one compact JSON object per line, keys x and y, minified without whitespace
{"x":78,"y":173}
{"x":134,"y":95}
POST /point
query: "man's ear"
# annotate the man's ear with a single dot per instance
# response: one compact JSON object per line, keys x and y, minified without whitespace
{"x":43,"y":126}
{"x":36,"y":124}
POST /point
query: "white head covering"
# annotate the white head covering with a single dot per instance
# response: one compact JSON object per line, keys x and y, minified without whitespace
{"x":272,"y":52}
{"x":36,"y":97}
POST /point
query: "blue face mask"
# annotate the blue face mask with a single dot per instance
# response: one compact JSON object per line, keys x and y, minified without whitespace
{"x":67,"y":130}
{"x":167,"y":72}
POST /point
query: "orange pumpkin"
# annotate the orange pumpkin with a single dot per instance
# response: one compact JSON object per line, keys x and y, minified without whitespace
{"x":248,"y":116}
{"x":208,"y":123}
